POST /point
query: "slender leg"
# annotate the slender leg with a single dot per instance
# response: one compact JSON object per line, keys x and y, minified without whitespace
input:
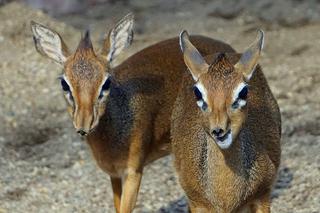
{"x":136,"y":160}
{"x":130,"y":191}
{"x":262,"y":205}
{"x":117,"y":190}
{"x":193,"y":208}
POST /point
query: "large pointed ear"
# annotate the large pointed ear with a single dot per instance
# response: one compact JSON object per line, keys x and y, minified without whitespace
{"x":49,"y":43}
{"x":118,"y":38}
{"x":249,"y":59}
{"x":192,"y":58}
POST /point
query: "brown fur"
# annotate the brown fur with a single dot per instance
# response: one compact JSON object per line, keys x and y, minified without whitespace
{"x":238,"y":178}
{"x":135,"y":128}
{"x":131,"y":128}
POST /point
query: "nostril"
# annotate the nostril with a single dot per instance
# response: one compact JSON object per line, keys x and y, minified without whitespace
{"x":81,"y":132}
{"x":217,"y":132}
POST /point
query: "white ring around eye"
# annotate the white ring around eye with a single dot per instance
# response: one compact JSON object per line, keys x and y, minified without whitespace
{"x":68,"y":97}
{"x":203,"y":91}
{"x":237,"y":90}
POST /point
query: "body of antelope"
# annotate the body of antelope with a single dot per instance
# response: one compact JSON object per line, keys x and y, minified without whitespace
{"x":124,"y":111}
{"x":225,"y":131}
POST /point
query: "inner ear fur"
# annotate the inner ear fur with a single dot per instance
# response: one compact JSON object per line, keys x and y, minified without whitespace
{"x":249,"y":59}
{"x":118,"y":38}
{"x":192,"y":58}
{"x":49,"y":43}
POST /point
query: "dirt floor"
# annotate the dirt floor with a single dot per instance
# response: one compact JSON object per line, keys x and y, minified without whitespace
{"x":46,"y":167}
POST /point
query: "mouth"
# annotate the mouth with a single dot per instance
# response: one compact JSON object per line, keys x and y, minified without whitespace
{"x":225,"y":141}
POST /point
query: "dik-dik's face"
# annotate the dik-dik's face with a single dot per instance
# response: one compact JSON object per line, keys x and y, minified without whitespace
{"x":221,"y":89}
{"x":86,"y":79}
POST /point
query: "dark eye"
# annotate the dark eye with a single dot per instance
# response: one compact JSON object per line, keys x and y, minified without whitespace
{"x":105,"y":87}
{"x":65,"y":85}
{"x":204,"y":106}
{"x":241,"y":99}
{"x":197,"y":93}
{"x":243,"y":93}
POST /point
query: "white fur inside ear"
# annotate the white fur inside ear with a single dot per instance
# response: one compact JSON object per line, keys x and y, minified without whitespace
{"x":48,"y":43}
{"x":120,"y":37}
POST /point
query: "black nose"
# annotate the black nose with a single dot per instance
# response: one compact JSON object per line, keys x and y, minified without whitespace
{"x":217,"y":132}
{"x":81,"y":132}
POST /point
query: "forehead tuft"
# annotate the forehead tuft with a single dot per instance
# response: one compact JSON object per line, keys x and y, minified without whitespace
{"x":85,"y":42}
{"x":221,"y":76}
{"x":221,"y":66}
{"x":83,"y":69}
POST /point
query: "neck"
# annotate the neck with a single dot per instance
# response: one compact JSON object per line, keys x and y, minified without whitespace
{"x":240,"y":156}
{"x":117,"y":119}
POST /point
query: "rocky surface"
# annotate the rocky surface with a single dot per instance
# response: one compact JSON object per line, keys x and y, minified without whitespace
{"x":46,"y":167}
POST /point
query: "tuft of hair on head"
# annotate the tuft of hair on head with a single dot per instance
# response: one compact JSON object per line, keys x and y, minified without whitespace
{"x":85,"y":42}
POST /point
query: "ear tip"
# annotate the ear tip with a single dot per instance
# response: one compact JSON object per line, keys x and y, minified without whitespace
{"x":34,"y":24}
{"x":261,"y":36}
{"x":87,"y":33}
{"x":129,"y":17}
{"x":183,"y":35}
{"x":261,"y":32}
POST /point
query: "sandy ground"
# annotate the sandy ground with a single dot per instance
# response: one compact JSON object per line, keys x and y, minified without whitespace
{"x":46,"y":167}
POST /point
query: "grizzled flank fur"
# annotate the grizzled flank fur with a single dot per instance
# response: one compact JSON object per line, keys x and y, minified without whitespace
{"x":239,"y":178}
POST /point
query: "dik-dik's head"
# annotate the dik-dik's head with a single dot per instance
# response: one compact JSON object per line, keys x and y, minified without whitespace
{"x":86,"y":74}
{"x":221,"y":88}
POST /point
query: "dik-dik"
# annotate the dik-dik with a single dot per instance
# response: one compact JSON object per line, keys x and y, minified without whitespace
{"x":124,"y":111}
{"x":226,"y":130}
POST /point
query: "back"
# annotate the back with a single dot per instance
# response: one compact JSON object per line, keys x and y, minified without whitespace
{"x":156,"y":73}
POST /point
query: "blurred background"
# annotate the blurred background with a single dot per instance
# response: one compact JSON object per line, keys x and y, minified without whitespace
{"x":46,"y":167}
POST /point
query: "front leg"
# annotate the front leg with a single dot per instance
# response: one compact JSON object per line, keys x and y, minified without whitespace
{"x":262,"y":205}
{"x":117,"y":191}
{"x":130,"y":190}
{"x":194,"y":208}
{"x":138,"y":149}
